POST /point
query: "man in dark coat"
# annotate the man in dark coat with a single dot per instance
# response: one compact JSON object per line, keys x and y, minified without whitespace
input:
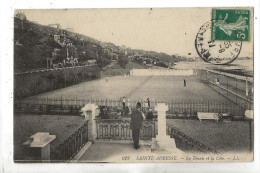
{"x":137,"y":118}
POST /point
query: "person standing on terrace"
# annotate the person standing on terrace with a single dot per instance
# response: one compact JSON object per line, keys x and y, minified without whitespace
{"x":137,"y":117}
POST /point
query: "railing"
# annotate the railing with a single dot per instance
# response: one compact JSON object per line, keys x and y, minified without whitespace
{"x":120,"y":129}
{"x":186,"y":143}
{"x":239,"y":77}
{"x":178,"y":108}
{"x":67,"y":149}
{"x":237,"y":89}
{"x":47,"y":109}
{"x":51,"y":69}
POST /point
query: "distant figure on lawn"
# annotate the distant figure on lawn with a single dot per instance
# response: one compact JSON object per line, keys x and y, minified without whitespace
{"x":217,"y":81}
{"x":184,"y":83}
{"x":123,"y":103}
{"x":137,"y":117}
{"x":107,"y":79}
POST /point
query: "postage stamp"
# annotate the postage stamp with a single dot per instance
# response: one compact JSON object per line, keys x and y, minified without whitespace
{"x":214,"y":51}
{"x":230,"y":24}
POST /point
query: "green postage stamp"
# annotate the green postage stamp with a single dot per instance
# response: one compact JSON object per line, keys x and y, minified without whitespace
{"x":230,"y":24}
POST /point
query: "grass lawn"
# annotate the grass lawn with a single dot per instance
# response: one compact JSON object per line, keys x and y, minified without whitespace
{"x":134,"y":88}
{"x":27,"y":125}
{"x":222,"y":137}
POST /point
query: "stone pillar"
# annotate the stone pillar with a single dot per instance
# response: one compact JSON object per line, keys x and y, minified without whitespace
{"x":161,"y":109}
{"x":249,"y":114}
{"x":90,"y":111}
{"x":163,"y":141}
{"x":41,"y":141}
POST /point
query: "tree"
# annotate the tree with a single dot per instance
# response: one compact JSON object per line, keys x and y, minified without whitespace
{"x":122,"y":60}
{"x":61,"y":55}
{"x":102,"y":61}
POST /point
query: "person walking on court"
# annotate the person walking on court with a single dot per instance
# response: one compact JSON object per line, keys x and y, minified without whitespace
{"x":137,"y":117}
{"x":184,"y":82}
{"x":123,"y":103}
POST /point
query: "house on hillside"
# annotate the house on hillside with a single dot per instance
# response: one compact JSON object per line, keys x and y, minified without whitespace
{"x":130,"y":57}
{"x":56,"y":25}
{"x":114,"y":56}
{"x":60,"y":38}
{"x":56,"y":38}
{"x":69,"y":43}
{"x":20,"y":16}
{"x":55,"y":52}
{"x":69,"y":29}
{"x":92,"y":61}
{"x":63,"y":33}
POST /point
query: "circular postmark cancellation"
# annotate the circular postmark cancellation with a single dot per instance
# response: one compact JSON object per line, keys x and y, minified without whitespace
{"x":215,"y":51}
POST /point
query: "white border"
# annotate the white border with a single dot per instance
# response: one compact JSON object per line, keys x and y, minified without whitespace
{"x":6,"y":86}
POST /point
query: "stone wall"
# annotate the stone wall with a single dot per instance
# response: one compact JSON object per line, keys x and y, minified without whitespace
{"x":161,"y":72}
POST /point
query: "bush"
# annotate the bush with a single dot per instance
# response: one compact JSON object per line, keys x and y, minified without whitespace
{"x":161,"y":64}
{"x":102,"y":62}
{"x":104,"y":112}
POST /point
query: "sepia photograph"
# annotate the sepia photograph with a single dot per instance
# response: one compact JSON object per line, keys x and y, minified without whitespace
{"x":133,"y":85}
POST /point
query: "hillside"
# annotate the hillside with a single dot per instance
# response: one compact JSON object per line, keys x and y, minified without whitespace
{"x":35,"y":44}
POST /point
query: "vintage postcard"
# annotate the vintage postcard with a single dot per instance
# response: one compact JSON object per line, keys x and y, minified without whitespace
{"x":134,"y":85}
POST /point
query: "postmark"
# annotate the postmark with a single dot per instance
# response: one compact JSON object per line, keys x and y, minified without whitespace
{"x":230,"y":24}
{"x":214,"y":51}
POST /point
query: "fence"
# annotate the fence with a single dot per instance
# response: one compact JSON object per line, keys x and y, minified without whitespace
{"x":186,"y":143}
{"x":67,"y":149}
{"x":238,"y":89}
{"x":46,"y":70}
{"x":120,"y":129}
{"x":72,"y":106}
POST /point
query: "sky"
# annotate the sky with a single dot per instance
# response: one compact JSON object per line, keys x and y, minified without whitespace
{"x":168,"y":30}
